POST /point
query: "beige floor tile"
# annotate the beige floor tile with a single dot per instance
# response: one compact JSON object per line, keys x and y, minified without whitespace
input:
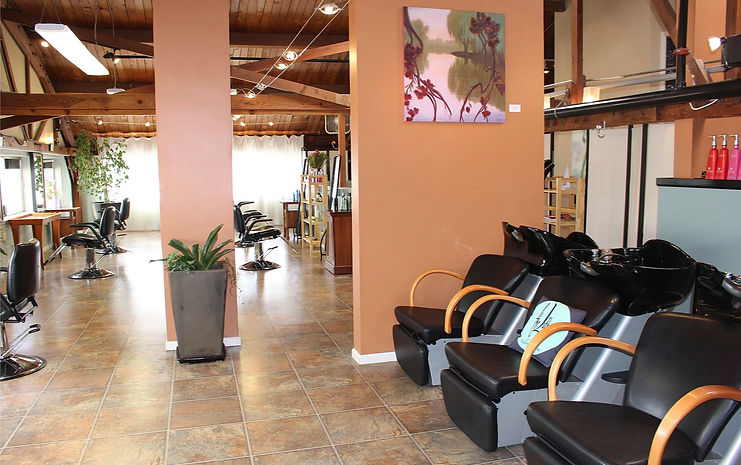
{"x":452,"y":447}
{"x":275,"y":381}
{"x":34,"y":382}
{"x":205,"y":412}
{"x":89,"y":360}
{"x":139,"y":449}
{"x":382,"y":371}
{"x":58,"y":453}
{"x":397,"y":451}
{"x":361,"y":425}
{"x":517,"y":450}
{"x":207,"y":443}
{"x":301,"y":329}
{"x":404,"y":391}
{"x":313,"y":342}
{"x":261,"y":362}
{"x":201,"y":370}
{"x":130,"y":395}
{"x":204,"y":388}
{"x":333,"y":375}
{"x":422,"y":416}
{"x":318,"y":358}
{"x":348,"y":397}
{"x":98,"y":377}
{"x":276,"y":405}
{"x":7,"y":426}
{"x":37,"y":429}
{"x":286,"y":434}
{"x":337,"y":326}
{"x":71,"y":400}
{"x":323,"y":456}
{"x":128,"y":420}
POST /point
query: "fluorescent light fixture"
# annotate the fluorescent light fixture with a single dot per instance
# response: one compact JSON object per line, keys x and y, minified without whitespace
{"x":714,"y":43}
{"x":329,"y":9}
{"x":66,"y":42}
{"x":290,"y":55}
{"x":590,"y":94}
{"x":114,"y":90}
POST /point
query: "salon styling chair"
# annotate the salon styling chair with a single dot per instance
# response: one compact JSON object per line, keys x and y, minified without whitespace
{"x":482,"y":385}
{"x":683,"y":386}
{"x":119,"y":224}
{"x":251,"y":232}
{"x":23,"y":281}
{"x":100,"y":237}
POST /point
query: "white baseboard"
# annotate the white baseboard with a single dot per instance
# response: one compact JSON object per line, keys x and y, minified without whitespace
{"x":228,"y":341}
{"x":367,"y":359}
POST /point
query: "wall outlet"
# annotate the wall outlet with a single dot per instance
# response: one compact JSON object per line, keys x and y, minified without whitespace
{"x":515,"y":108}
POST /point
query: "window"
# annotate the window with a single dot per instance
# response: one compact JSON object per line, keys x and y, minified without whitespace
{"x":13,"y":184}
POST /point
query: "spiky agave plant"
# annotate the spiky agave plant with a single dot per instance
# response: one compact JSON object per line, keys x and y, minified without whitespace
{"x":197,"y":257}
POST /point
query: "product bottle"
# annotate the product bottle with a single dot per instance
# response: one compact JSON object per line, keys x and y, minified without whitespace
{"x":734,"y":162}
{"x":712,"y":159}
{"x":721,"y":166}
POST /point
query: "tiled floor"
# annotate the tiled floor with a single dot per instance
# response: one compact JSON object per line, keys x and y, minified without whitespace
{"x":290,"y":394}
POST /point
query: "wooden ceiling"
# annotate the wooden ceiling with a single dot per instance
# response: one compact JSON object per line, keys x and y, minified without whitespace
{"x":258,"y":30}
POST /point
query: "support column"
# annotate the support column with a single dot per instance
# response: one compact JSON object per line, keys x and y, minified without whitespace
{"x":342,"y":147}
{"x":577,"y":51}
{"x":194,"y":130}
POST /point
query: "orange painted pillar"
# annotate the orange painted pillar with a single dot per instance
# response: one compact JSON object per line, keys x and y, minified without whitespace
{"x":194,"y":129}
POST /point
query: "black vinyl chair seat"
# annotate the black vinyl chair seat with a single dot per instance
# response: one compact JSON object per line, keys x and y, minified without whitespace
{"x":591,"y":433}
{"x":429,"y":323}
{"x":493,"y":368}
{"x":83,"y":240}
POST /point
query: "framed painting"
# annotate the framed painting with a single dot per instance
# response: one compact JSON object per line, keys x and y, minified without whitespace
{"x":453,"y":66}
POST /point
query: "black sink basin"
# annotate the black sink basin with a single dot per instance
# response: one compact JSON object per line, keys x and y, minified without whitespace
{"x":658,"y":275}
{"x":717,"y":293}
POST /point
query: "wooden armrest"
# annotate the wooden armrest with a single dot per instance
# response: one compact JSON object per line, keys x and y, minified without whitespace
{"x":478,"y":303}
{"x":681,"y":409}
{"x":427,"y":273}
{"x":461,"y":294}
{"x":542,"y":335}
{"x":575,"y":344}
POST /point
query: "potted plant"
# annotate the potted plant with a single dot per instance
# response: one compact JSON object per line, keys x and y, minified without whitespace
{"x":100,"y":168}
{"x":317,"y":160}
{"x":198,"y":294}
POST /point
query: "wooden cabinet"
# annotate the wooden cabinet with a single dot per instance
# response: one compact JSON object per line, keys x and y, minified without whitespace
{"x":314,"y":194}
{"x":564,"y":205}
{"x":290,"y":217}
{"x":339,"y":243}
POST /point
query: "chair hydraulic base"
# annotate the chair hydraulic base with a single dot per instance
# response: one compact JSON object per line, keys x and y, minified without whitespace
{"x":92,"y":271}
{"x":262,"y":265}
{"x":18,"y":365}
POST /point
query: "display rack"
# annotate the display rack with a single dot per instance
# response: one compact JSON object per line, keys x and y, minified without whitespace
{"x":314,"y":206}
{"x":564,"y":205}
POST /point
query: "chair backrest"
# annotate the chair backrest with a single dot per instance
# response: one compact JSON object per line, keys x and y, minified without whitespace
{"x":492,"y":270}
{"x":676,"y":354}
{"x":517,"y":245}
{"x":597,"y":300}
{"x":552,"y":247}
{"x":123,"y":215}
{"x":238,"y":220}
{"x":24,"y":271}
{"x":107,"y":221}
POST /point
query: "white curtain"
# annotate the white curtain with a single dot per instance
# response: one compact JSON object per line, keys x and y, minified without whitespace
{"x":266,"y":170}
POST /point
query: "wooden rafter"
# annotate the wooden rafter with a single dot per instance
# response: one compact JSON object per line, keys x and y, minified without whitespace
{"x":666,"y":16}
{"x":34,"y":146}
{"x":143,"y":104}
{"x":15,"y":121}
{"x":310,"y":54}
{"x":291,"y":86}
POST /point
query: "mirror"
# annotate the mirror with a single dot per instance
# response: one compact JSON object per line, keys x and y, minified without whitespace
{"x":39,"y":201}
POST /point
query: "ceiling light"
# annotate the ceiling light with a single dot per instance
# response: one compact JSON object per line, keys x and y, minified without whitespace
{"x":260,"y":86}
{"x":100,"y":122}
{"x":546,"y":70}
{"x":290,"y":55}
{"x":147,"y":123}
{"x":250,"y":94}
{"x":117,"y":60}
{"x":232,"y":91}
{"x":235,"y":117}
{"x":114,"y":90}
{"x":66,"y":42}
{"x":714,"y":43}
{"x":243,"y":124}
{"x":281,"y":65}
{"x":590,"y":94}
{"x":44,"y":43}
{"x":270,"y":123}
{"x":329,"y":9}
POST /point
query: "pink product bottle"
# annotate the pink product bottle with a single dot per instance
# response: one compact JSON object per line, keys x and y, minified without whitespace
{"x":734,"y":162}
{"x":712,"y":159}
{"x":721,"y":166}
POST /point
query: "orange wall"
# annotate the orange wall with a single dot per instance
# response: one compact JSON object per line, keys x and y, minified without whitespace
{"x":433,"y":195}
{"x":191,"y":45}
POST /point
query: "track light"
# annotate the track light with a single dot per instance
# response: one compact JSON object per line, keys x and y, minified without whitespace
{"x":261,"y":86}
{"x":329,"y":9}
{"x":281,"y":65}
{"x":232,"y":91}
{"x":114,"y":90}
{"x":270,"y":123}
{"x":100,"y":122}
{"x":251,"y":94}
{"x":243,"y":124}
{"x":290,"y":55}
{"x":44,"y":44}
{"x":66,"y":42}
{"x":147,"y":123}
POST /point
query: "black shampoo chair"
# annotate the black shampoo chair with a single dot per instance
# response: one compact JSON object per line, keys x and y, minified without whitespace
{"x":481,"y":375}
{"x":252,"y":232}
{"x":100,"y":238}
{"x":680,"y":362}
{"x":23,"y":281}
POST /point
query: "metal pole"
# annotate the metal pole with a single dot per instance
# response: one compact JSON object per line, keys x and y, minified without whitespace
{"x":683,"y":6}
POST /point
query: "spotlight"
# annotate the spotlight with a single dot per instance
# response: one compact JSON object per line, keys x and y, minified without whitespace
{"x":44,"y":44}
{"x":290,"y":55}
{"x":100,"y":122}
{"x":117,"y":60}
{"x":251,"y":94}
{"x":243,"y":124}
{"x":281,"y":65}
{"x":329,"y":9}
{"x":270,"y":123}
{"x":232,"y":91}
{"x":114,"y":90}
{"x":714,"y":43}
{"x":260,"y":86}
{"x":235,"y":117}
{"x":147,"y":123}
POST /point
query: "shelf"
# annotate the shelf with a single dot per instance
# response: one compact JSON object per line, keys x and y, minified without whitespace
{"x":564,"y":206}
{"x":313,"y":204}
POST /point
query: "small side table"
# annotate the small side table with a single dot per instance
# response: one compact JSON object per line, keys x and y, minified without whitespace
{"x":290,"y":215}
{"x":37,"y":221}
{"x":64,"y":223}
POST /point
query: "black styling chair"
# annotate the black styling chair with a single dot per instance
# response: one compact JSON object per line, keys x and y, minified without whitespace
{"x":23,"y":281}
{"x":481,"y":375}
{"x":420,"y":328}
{"x":682,"y":366}
{"x":119,"y":224}
{"x":251,"y":232}
{"x":101,"y":237}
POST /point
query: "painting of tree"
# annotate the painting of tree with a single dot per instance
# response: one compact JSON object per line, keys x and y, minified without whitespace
{"x":453,"y":66}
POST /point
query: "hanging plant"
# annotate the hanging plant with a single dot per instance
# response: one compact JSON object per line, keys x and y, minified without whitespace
{"x":100,"y":168}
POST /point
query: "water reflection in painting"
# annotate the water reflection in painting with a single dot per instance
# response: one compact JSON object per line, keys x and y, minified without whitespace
{"x":453,"y":66}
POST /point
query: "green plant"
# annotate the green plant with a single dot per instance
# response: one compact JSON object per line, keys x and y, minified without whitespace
{"x":197,"y":257}
{"x":100,"y":168}
{"x":317,"y":159}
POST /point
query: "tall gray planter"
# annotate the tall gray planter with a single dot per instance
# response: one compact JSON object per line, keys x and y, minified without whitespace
{"x":198,"y":299}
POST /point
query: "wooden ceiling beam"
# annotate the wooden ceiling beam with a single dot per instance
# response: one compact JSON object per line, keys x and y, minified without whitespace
{"x":34,"y":146}
{"x":666,"y":16}
{"x":143,"y":104}
{"x":310,"y":54}
{"x":15,"y":121}
{"x":723,"y":108}
{"x":290,"y":86}
{"x":577,"y":51}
